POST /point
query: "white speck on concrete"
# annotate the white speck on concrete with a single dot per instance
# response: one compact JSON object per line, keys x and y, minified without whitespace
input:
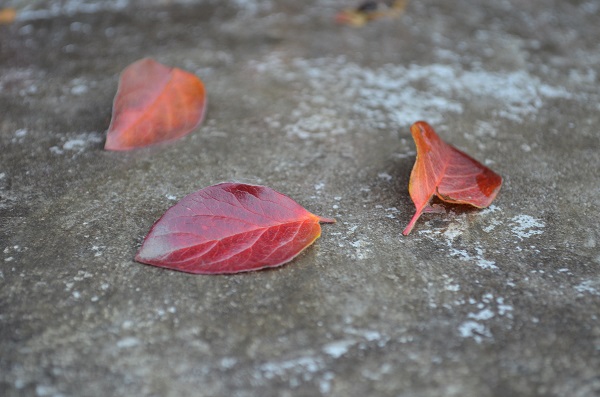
{"x":404,"y":155}
{"x":357,"y":244}
{"x":590,"y":242}
{"x":482,"y":262}
{"x":376,"y":375}
{"x":19,"y":383}
{"x":391,"y":95}
{"x":128,"y":342}
{"x":361,"y":247}
{"x":475,"y":330}
{"x":81,"y":275}
{"x":504,"y":310}
{"x":490,"y":210}
{"x":338,"y":348}
{"x":252,"y":7}
{"x":79,"y":143}
{"x":79,"y":89}
{"x":43,"y":391}
{"x":478,"y":258}
{"x":325,"y":383}
{"x":385,"y":176}
{"x":372,"y":335}
{"x":228,"y":362}
{"x":74,"y":144}
{"x":493,"y":224}
{"x":452,"y":232}
{"x":368,"y":335}
{"x":80,"y":27}
{"x":587,"y":287}
{"x":304,"y":364}
{"x":484,"y":314}
{"x":525,"y":226}
{"x":98,"y":250}
{"x":69,"y":8}
{"x":27,"y":29}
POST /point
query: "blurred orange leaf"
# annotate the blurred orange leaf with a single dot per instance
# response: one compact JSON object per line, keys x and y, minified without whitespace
{"x":154,"y":103}
{"x":7,"y":15}
{"x":371,"y":10}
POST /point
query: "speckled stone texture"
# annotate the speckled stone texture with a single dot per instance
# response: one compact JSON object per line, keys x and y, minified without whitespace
{"x":497,"y":302}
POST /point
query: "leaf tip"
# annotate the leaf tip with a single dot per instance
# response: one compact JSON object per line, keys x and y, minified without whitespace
{"x":419,"y":126}
{"x":139,"y":255}
{"x":110,"y":143}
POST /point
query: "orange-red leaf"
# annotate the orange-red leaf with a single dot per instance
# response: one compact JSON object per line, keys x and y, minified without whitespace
{"x":230,"y":228}
{"x":154,"y":103}
{"x":442,"y":170}
{"x":7,"y":15}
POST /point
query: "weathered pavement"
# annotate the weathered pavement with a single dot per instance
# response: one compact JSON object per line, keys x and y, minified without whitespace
{"x":499,"y":302}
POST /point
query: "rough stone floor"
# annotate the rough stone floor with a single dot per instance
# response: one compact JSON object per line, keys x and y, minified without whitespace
{"x":499,"y":302}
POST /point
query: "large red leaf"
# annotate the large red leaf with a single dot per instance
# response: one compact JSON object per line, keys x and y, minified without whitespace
{"x":442,"y":170}
{"x":154,"y":103}
{"x":230,"y":228}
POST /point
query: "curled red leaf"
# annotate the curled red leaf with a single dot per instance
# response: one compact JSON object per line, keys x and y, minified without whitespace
{"x":230,"y":228}
{"x":154,"y":103}
{"x":442,"y":170}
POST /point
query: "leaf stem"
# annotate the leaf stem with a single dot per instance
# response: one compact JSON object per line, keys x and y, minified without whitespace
{"x":412,"y":222}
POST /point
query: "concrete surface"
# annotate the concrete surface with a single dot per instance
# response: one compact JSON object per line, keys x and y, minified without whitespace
{"x":499,"y":302}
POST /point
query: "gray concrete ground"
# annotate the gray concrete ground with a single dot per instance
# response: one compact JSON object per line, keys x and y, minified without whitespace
{"x":499,"y":302}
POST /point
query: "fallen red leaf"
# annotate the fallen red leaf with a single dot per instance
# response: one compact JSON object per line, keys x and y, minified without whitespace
{"x":154,"y":103}
{"x":230,"y":228}
{"x":442,"y":170}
